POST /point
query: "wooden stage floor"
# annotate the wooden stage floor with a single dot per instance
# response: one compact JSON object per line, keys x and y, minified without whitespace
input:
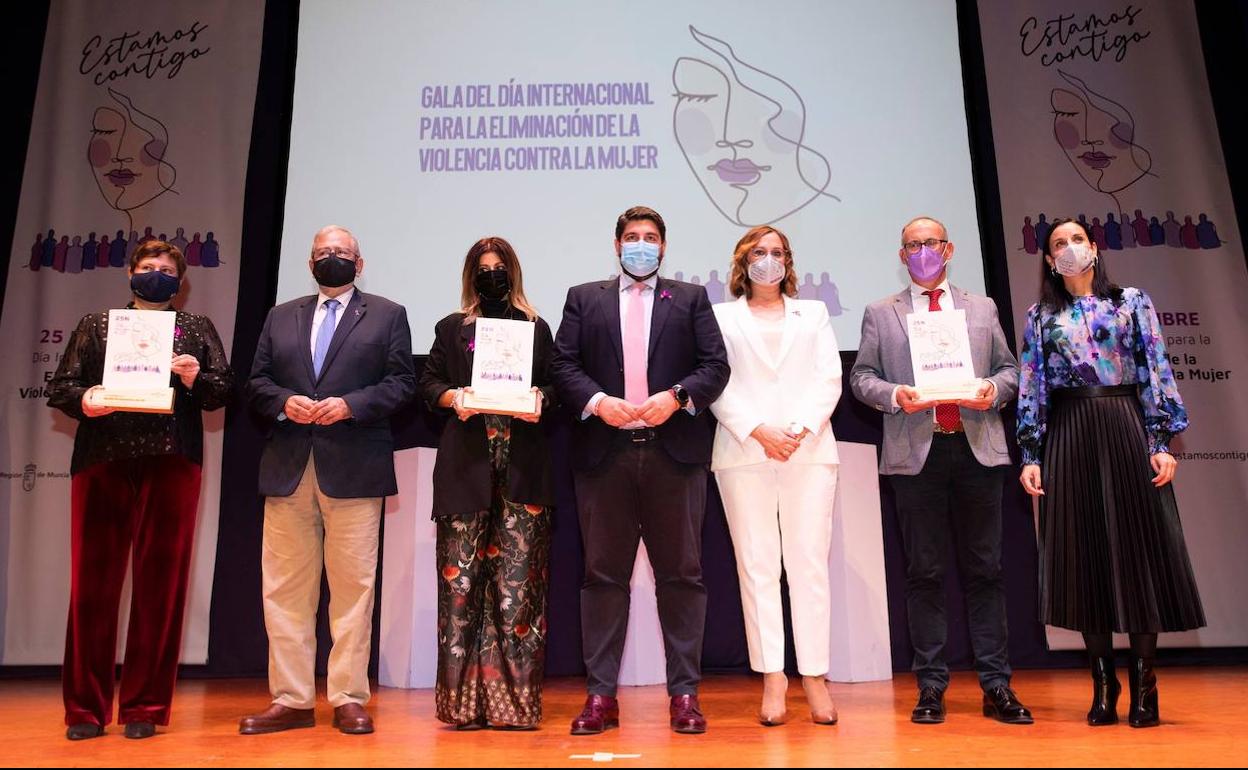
{"x":1203,"y":725}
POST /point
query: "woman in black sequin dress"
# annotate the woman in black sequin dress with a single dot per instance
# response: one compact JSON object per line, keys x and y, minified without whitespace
{"x":135,"y":487}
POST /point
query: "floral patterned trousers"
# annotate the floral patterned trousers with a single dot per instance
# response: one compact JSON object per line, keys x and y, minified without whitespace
{"x":492,"y":581}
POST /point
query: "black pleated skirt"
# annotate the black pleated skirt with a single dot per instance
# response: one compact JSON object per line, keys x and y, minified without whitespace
{"x":1113,"y":556}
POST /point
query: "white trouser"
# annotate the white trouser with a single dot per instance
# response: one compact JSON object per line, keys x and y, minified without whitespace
{"x":781,"y":514}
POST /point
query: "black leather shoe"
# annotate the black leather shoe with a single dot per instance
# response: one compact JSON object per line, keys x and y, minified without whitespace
{"x":1002,"y":704}
{"x":930,"y":710}
{"x":83,"y":730}
{"x":1143,"y":682}
{"x":139,"y":730}
{"x":1105,"y":690}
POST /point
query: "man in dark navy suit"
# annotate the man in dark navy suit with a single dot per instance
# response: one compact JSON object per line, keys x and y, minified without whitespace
{"x":640,"y":359}
{"x":329,"y":370}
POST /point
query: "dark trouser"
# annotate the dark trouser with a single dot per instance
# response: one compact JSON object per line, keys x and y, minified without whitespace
{"x":954,"y":496}
{"x":638,"y":491}
{"x":148,"y":503}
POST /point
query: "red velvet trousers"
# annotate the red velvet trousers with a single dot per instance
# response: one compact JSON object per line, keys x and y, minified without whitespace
{"x":144,"y":505}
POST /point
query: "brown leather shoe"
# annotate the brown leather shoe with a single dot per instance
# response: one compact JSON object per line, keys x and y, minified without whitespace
{"x":352,"y":719}
{"x":276,"y":718}
{"x":599,"y":713}
{"x":686,"y":715}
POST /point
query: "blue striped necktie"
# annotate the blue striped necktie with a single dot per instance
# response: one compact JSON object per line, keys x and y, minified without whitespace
{"x":324,"y":335}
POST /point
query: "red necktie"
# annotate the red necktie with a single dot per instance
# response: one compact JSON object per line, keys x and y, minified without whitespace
{"x":947,"y":415}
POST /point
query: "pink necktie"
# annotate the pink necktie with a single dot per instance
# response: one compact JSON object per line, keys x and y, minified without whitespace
{"x":636,"y":389}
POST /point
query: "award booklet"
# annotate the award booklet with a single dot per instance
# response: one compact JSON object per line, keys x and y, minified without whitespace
{"x":137,"y":361}
{"x":940,"y":353}
{"x":502,"y":368}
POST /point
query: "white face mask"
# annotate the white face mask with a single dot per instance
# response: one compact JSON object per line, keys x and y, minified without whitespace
{"x":1074,"y":259}
{"x":767,"y":271}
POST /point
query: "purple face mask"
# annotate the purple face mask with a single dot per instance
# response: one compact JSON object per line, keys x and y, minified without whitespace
{"x":925,"y":264}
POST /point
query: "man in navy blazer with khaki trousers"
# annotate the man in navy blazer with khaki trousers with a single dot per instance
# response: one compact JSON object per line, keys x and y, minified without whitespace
{"x":639,"y":359}
{"x":329,"y":371}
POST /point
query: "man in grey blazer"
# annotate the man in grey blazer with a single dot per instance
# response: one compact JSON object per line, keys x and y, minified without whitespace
{"x":946,"y":466}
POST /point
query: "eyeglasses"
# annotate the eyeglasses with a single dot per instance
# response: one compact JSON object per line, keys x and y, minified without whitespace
{"x":317,"y":256}
{"x":756,"y":254}
{"x":931,"y":243}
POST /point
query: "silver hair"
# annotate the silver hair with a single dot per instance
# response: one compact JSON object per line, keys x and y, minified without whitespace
{"x":355,"y":244}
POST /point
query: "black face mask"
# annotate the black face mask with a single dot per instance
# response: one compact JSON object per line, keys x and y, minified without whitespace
{"x":492,"y":284}
{"x":154,"y":286}
{"x":334,"y":271}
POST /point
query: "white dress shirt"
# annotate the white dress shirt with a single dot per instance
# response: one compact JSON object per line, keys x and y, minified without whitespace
{"x":772,"y":332}
{"x":920,"y":301}
{"x":647,"y":301}
{"x":318,"y":317}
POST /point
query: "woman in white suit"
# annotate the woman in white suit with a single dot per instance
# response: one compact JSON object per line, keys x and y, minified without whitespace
{"x":776,"y":464}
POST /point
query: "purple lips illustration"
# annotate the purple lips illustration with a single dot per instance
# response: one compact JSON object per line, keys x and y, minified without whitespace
{"x":738,"y":171}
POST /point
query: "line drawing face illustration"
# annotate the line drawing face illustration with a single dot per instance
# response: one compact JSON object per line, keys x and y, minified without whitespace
{"x":505,"y":359}
{"x":143,"y":337}
{"x":145,"y":347}
{"x":742,"y":131}
{"x":127,"y":156}
{"x":940,"y":345}
{"x":1098,"y":137}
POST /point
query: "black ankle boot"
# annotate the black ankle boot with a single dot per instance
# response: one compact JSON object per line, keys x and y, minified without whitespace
{"x":1143,"y":694}
{"x":1105,"y":690}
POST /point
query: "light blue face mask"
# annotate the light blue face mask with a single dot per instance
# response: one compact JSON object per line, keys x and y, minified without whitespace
{"x":639,"y":259}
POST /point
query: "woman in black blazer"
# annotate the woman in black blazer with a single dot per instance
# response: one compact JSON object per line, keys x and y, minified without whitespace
{"x":492,"y":500}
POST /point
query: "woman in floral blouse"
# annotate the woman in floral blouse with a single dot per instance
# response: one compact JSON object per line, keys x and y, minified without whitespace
{"x":492,"y":500}
{"x":1097,"y":408}
{"x":135,"y":481}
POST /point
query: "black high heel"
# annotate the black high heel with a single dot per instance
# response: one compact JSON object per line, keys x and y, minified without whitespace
{"x":1144,"y":711}
{"x":1105,"y":691}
